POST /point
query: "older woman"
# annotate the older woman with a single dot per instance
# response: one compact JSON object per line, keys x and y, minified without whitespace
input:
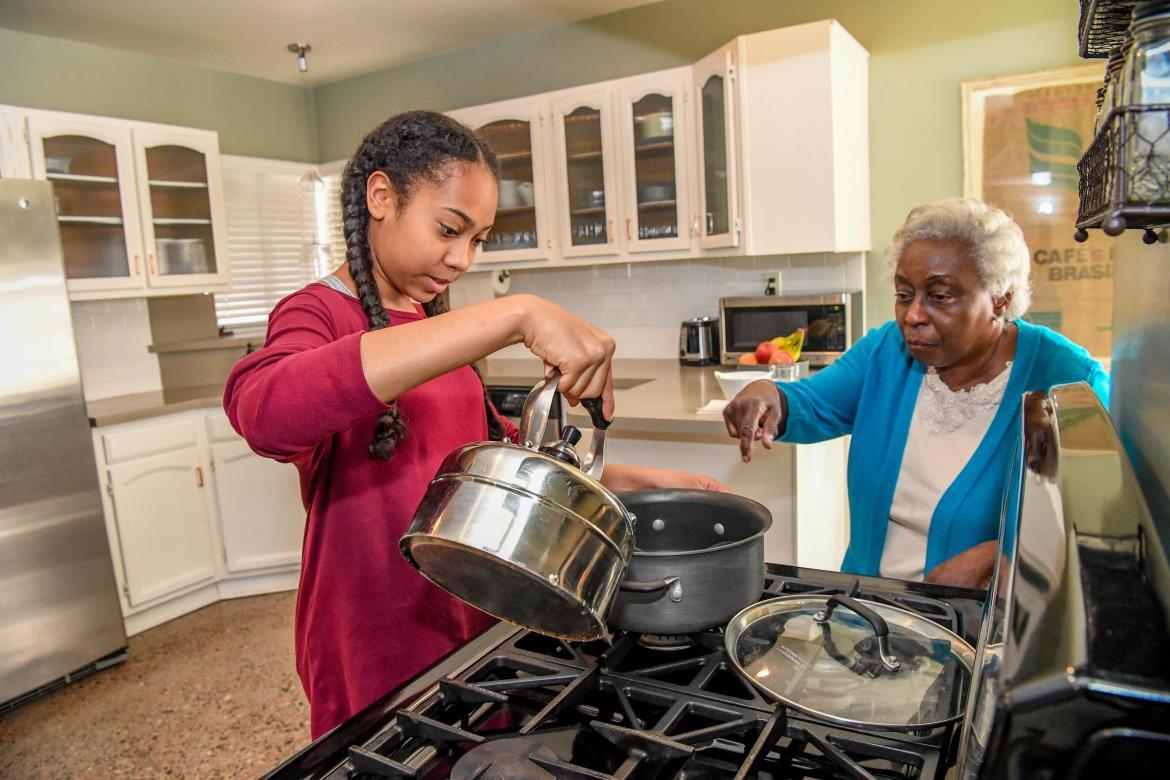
{"x":932,"y":400}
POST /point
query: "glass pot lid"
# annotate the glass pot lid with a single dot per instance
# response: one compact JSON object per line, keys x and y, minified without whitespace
{"x":853,"y":662}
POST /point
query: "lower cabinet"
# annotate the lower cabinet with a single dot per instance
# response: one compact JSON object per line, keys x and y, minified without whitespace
{"x":261,"y":515}
{"x":164,"y":530}
{"x":803,"y":486}
{"x":193,"y":515}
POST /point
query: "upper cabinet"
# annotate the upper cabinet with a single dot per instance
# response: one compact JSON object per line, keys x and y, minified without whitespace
{"x":759,"y":148}
{"x":91,"y":166}
{"x":798,"y":142}
{"x":140,"y":206}
{"x":655,"y":156}
{"x":514,"y":129}
{"x":585,"y":171}
{"x":181,"y":202}
{"x":717,"y":216}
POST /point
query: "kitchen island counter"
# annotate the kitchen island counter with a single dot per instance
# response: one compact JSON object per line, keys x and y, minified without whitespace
{"x":656,"y":423}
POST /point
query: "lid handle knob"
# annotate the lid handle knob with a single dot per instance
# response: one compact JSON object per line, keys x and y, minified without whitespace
{"x":880,"y":629}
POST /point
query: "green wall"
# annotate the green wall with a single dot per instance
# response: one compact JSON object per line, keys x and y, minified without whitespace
{"x":920,"y":51}
{"x":252,"y":116}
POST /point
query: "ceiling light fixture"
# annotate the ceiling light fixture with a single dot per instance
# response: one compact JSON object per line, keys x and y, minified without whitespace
{"x":301,"y":49}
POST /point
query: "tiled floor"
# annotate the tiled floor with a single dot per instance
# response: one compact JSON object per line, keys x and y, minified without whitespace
{"x":211,"y":694}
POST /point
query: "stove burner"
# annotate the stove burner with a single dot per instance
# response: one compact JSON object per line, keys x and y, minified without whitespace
{"x":505,"y":759}
{"x":666,"y":641}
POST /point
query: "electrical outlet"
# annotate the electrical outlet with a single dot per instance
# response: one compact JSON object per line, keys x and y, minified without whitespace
{"x":772,"y":283}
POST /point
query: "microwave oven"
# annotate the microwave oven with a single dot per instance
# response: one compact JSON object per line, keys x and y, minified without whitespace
{"x":832,"y":323}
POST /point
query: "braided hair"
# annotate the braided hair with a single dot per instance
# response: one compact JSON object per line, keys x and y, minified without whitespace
{"x":409,"y":148}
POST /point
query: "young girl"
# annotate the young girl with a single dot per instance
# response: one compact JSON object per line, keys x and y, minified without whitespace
{"x":366,"y":391}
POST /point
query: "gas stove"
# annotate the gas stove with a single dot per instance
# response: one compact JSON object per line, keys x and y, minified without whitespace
{"x":524,"y":705}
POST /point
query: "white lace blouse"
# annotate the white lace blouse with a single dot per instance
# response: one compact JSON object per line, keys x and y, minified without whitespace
{"x":945,"y":430}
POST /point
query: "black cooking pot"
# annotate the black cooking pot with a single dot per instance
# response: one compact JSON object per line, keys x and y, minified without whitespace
{"x":698,"y":560}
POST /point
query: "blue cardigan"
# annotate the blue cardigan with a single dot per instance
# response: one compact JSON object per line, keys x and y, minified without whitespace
{"x":870,"y":392}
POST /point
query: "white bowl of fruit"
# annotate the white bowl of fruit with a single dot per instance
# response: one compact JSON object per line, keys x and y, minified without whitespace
{"x":731,"y":382}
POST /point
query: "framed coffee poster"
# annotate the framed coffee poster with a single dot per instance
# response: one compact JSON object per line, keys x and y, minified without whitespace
{"x":1022,"y":138}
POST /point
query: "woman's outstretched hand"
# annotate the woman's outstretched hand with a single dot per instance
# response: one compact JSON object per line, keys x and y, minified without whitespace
{"x":756,"y":413}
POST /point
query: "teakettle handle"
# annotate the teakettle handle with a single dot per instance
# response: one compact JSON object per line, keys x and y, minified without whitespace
{"x":534,"y":415}
{"x":594,"y":461}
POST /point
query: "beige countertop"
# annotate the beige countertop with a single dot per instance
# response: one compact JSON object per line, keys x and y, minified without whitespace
{"x":221,"y":342}
{"x":139,"y":406}
{"x":653,"y":396}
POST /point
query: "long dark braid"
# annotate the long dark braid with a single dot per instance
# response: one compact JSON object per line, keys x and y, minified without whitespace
{"x":407,"y":147}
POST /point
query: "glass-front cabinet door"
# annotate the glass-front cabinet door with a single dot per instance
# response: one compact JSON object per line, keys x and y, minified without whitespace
{"x":181,"y":200}
{"x":585,"y":174}
{"x":654,"y":136}
{"x":513,"y":131}
{"x":92,"y":170}
{"x":717,"y":214}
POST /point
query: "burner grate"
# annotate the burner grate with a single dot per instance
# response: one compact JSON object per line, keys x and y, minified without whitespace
{"x":642,"y":708}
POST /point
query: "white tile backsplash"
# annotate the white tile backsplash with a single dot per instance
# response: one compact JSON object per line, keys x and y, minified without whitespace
{"x":642,"y":304}
{"x":112,"y":339}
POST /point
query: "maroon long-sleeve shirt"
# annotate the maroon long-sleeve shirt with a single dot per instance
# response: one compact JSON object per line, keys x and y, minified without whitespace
{"x":366,"y":622}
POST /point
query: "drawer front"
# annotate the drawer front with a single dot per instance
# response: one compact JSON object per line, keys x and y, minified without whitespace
{"x":141,"y":441}
{"x":218,"y":427}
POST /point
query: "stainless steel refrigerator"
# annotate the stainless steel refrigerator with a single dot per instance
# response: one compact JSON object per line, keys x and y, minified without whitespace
{"x":59,"y":612}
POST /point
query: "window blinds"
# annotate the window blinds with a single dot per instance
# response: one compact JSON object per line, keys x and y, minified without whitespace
{"x":274,"y":238}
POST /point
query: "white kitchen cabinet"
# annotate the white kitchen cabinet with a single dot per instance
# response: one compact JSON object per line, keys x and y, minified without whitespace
{"x":193,"y":515}
{"x":163,"y":526}
{"x":760,"y":148}
{"x":585,"y":169}
{"x":655,"y":154}
{"x":91,"y":165}
{"x":181,"y":200}
{"x":258,"y":502}
{"x":798,"y":142}
{"x":140,"y":205}
{"x":514,"y":129}
{"x":716,"y":215}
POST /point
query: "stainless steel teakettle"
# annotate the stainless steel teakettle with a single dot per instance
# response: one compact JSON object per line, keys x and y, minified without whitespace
{"x":528,"y":535}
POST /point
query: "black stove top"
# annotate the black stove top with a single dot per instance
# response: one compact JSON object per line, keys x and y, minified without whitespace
{"x":644,"y":707}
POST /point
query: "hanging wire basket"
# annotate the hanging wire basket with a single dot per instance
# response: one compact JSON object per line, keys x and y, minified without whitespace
{"x":1125,"y":174}
{"x":1103,"y":26}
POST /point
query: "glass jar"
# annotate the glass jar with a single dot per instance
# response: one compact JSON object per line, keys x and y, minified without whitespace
{"x":1146,"y":82}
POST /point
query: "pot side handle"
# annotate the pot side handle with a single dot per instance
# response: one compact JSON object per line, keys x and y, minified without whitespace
{"x":674,"y":584}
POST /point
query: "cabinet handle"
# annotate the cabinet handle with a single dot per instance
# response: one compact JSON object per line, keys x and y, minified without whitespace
{"x":153,"y":264}
{"x":695,"y":226}
{"x":629,"y":235}
{"x":199,"y":476}
{"x":609,"y":234}
{"x":138,"y":265}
